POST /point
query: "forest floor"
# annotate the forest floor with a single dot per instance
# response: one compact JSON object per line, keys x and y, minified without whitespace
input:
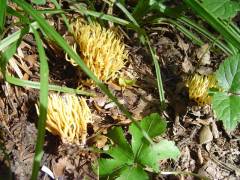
{"x":206,"y":148}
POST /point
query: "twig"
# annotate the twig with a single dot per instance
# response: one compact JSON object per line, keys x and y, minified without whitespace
{"x":184,"y":173}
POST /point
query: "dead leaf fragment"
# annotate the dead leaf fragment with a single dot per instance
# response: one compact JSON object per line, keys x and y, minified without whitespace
{"x":203,"y":54}
{"x":187,"y":66}
{"x":184,"y":46}
{"x":214,"y":130}
{"x":101,"y":101}
{"x":31,"y":59}
{"x":60,"y":166}
{"x":204,"y":70}
{"x":100,"y":140}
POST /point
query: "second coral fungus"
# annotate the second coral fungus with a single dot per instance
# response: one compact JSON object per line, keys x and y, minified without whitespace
{"x":198,"y":88}
{"x":100,"y":48}
{"x":67,"y":117}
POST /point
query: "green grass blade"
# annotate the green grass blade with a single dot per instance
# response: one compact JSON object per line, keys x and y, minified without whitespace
{"x":204,"y":32}
{"x":15,"y":36}
{"x":3,"y":7}
{"x":50,"y":31}
{"x":10,"y":51}
{"x":140,"y":9}
{"x":65,"y":20}
{"x":12,"y":12}
{"x":36,"y":85}
{"x":144,"y":38}
{"x":134,"y":25}
{"x":50,"y":11}
{"x":102,"y":16}
{"x":186,"y":32}
{"x":234,"y":27}
{"x":158,"y":74}
{"x":6,"y":55}
{"x":215,"y":22}
{"x":44,"y":71}
{"x":128,"y":14}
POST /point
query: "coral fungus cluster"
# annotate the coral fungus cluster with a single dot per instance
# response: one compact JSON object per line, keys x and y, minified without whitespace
{"x":198,"y":88}
{"x":104,"y":54}
{"x":67,"y":117}
{"x":100,"y":48}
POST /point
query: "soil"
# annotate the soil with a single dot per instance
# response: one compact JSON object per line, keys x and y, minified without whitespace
{"x":206,"y":148}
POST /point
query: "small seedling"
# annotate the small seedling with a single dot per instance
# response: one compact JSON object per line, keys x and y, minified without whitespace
{"x":129,"y":161}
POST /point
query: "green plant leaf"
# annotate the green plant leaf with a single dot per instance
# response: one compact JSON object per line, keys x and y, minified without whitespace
{"x":223,"y":9}
{"x":152,"y":154}
{"x":226,"y":107}
{"x":121,"y":149}
{"x":108,"y":166}
{"x":153,"y":124}
{"x":127,"y":160}
{"x":228,"y":74}
{"x":133,"y":173}
{"x":121,"y":153}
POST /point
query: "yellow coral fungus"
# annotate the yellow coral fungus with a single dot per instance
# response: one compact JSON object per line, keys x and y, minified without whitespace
{"x":100,"y":48}
{"x":198,"y":88}
{"x":67,"y":117}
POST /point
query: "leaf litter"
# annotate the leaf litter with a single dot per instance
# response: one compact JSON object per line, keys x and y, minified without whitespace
{"x":216,"y":156}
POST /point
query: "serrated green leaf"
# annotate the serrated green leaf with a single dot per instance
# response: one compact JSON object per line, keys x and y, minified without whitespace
{"x":39,"y":2}
{"x":223,"y":9}
{"x":121,"y":150}
{"x":228,"y":74}
{"x":227,"y":109}
{"x":151,"y":155}
{"x":153,"y":124}
{"x":108,"y":166}
{"x":133,"y":173}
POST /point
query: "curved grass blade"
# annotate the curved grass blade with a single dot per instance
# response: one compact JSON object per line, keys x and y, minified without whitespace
{"x":3,"y":8}
{"x":144,"y":38}
{"x":51,"y":32}
{"x":10,"y":50}
{"x":11,"y":11}
{"x":158,"y":74}
{"x":44,"y":71}
{"x":63,"y":16}
{"x":36,"y":85}
{"x":227,"y":33}
{"x":103,"y":16}
{"x":15,"y":36}
{"x":186,"y":32}
{"x":205,"y":33}
{"x":128,"y":14}
{"x":43,"y":98}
